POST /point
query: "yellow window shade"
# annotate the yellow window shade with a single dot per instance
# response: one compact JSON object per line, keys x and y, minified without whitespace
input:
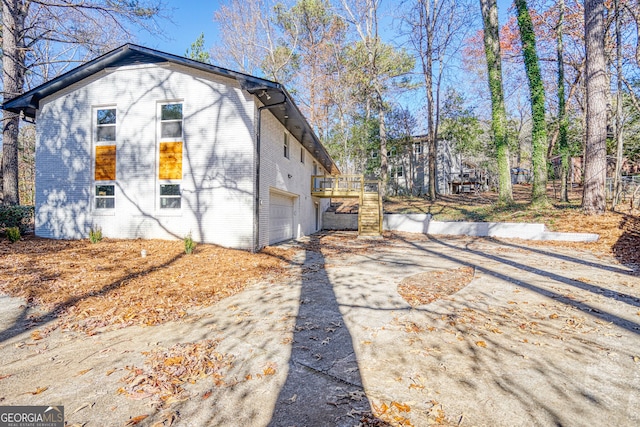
{"x":105,"y":163}
{"x":170,"y":160}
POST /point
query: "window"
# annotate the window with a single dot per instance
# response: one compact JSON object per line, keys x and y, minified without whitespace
{"x":106,"y":124}
{"x":170,"y":155}
{"x":171,"y":121}
{"x":170,"y":196}
{"x":374,"y":154}
{"x":392,"y":152}
{"x":417,"y":148}
{"x":302,"y":154}
{"x":104,"y":171}
{"x":399,"y":171}
{"x":105,"y":196}
{"x":286,"y":145}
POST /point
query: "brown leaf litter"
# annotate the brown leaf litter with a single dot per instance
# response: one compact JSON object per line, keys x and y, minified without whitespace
{"x":166,"y":372}
{"x":424,"y":288}
{"x":109,"y":284}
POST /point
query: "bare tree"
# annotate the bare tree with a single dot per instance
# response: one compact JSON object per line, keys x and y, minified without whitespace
{"x":382,"y":64}
{"x":595,"y":170}
{"x":434,"y":27}
{"x":41,"y":37}
{"x":250,"y":39}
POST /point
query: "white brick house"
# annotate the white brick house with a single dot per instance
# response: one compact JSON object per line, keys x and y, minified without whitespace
{"x":145,"y":144}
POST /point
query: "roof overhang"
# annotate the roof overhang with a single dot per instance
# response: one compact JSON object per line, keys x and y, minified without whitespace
{"x":266,"y":91}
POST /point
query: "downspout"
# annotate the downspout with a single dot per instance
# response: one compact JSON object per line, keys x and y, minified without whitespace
{"x":256,"y":217}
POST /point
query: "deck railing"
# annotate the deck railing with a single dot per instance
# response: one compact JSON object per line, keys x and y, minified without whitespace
{"x":337,"y":186}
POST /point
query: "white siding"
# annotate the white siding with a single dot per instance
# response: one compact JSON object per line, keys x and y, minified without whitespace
{"x":218,"y":161}
{"x":275,"y":170}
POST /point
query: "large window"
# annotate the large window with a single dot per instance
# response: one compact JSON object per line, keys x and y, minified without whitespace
{"x":170,"y":156}
{"x":104,"y":173}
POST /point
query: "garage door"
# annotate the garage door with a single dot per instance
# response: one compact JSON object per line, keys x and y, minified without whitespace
{"x":280,"y":218}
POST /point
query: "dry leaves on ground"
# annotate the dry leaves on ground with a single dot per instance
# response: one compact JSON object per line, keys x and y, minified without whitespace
{"x":110,"y":284}
{"x":424,"y":288}
{"x":166,"y":371}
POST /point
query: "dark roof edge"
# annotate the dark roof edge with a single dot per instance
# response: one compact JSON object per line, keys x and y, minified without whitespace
{"x":29,"y":101}
{"x":31,"y":98}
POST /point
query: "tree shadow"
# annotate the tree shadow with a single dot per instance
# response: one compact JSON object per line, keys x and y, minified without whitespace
{"x":577,"y":304}
{"x":323,"y":385}
{"x":26,"y":321}
{"x":627,"y":248}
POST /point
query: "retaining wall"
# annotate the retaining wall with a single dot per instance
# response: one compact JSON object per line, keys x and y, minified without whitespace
{"x":422,"y":223}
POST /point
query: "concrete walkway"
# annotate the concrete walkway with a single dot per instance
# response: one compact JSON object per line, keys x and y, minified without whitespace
{"x":541,"y":336}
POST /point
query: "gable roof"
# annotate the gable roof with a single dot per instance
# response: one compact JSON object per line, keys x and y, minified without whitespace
{"x":270,"y":93}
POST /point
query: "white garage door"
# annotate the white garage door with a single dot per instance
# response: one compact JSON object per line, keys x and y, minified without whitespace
{"x":280,"y":218}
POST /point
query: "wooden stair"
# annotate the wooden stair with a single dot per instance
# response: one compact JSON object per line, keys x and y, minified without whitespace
{"x":352,"y":186}
{"x":370,"y":215}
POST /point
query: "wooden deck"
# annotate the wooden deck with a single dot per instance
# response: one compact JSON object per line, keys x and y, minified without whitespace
{"x":354,"y":186}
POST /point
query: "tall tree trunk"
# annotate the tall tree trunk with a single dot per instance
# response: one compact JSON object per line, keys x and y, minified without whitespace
{"x":384,"y":164}
{"x":563,"y":146}
{"x":595,"y":168}
{"x":536,"y":89}
{"x":13,"y":60}
{"x":426,"y":56}
{"x":498,"y":113}
{"x":617,"y":185}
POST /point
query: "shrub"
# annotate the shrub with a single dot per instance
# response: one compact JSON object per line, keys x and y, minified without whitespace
{"x":17,"y":216}
{"x":189,"y":244}
{"x":13,"y":233}
{"x":95,"y":234}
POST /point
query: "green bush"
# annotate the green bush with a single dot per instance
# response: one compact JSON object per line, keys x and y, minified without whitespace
{"x":17,"y":216}
{"x":13,"y":233}
{"x":189,"y":244}
{"x":95,"y":234}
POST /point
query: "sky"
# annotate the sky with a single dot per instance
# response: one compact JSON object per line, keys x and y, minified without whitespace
{"x":190,"y":18}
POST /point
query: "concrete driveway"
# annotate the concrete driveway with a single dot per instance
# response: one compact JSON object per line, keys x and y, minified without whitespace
{"x":540,"y":336}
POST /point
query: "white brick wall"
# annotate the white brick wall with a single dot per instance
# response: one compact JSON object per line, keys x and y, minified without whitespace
{"x":217,"y":185}
{"x":274,"y":174}
{"x":218,"y":161}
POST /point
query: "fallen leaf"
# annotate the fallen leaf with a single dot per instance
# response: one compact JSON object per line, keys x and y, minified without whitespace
{"x":39,"y":390}
{"x":136,"y":420}
{"x":481,"y":344}
{"x":553,"y":316}
{"x":80,"y":408}
{"x":269,"y":370}
{"x":4,"y":376}
{"x":111,"y":371}
{"x":36,"y":335}
{"x":401,"y":407}
{"x":636,"y":359}
{"x":79,"y":374}
{"x":206,"y":395}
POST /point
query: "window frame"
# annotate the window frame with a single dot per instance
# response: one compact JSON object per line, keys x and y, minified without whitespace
{"x":160,"y":182}
{"x":97,"y":198}
{"x":302,"y":156}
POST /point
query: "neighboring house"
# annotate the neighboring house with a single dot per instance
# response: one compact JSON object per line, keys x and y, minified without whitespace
{"x":145,"y":144}
{"x":409,"y":167}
